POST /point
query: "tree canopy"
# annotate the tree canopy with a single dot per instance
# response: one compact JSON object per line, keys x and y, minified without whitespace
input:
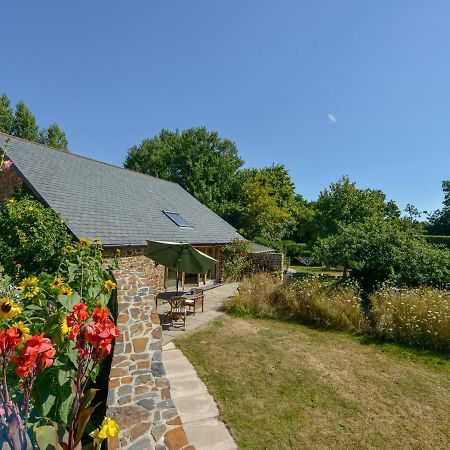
{"x":439,"y":221}
{"x":343,"y":203}
{"x":22,"y":123}
{"x":200,"y":161}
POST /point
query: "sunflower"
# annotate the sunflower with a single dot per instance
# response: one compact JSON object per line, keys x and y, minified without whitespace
{"x":65,"y":290}
{"x":8,"y":308}
{"x":22,"y":329}
{"x":109,"y":285}
{"x":29,"y":287}
{"x":64,"y":328}
{"x":85,"y":242}
{"x":57,"y":282}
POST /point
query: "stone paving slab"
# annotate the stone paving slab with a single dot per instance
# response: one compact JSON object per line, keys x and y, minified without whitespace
{"x":209,"y":434}
{"x":196,"y":407}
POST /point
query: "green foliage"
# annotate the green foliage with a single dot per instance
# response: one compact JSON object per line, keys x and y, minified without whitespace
{"x":197,"y":159}
{"x":438,"y":240}
{"x":266,"y":203}
{"x":236,"y":261}
{"x":24,"y":124}
{"x":53,"y":136}
{"x":31,"y":235}
{"x":6,"y":115}
{"x":345,"y":204}
{"x":377,"y":251}
{"x":439,"y":221}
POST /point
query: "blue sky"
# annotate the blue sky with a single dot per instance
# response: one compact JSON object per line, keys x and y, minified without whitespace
{"x":325,"y":87}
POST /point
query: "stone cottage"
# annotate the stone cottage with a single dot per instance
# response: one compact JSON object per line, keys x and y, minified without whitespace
{"x":125,"y":209}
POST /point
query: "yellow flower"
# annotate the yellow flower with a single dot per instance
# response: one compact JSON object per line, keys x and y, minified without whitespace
{"x":108,"y":428}
{"x":23,"y":330}
{"x":8,"y":308}
{"x":29,"y":287}
{"x":64,"y":328}
{"x":57,"y":282}
{"x":109,"y":285}
{"x":97,"y":241}
{"x":65,"y":290}
{"x":70,"y":248}
{"x":85,"y":242}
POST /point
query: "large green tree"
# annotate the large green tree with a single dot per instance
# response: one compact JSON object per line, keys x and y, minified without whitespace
{"x":266,"y":204}
{"x":53,"y":136}
{"x":202,"y":162}
{"x":343,"y":203}
{"x":440,"y":219}
{"x":22,"y":123}
{"x":6,"y":115}
{"x":377,"y":250}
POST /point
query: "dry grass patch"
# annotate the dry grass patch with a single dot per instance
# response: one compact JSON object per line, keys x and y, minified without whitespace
{"x":286,"y":386}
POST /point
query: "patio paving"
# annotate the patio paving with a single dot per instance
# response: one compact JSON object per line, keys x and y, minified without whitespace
{"x":196,"y":407}
{"x":214,"y":299}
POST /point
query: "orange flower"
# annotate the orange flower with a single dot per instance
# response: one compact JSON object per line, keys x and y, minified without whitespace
{"x":37,"y":354}
{"x":80,"y":311}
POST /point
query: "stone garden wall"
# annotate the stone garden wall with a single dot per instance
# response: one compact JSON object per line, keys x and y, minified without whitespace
{"x":268,"y":261}
{"x":9,"y":181}
{"x":139,"y":392}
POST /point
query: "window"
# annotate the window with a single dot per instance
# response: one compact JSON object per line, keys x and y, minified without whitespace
{"x":178,"y":219}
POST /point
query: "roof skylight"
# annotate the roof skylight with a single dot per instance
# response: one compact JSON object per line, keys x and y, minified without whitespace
{"x":178,"y":219}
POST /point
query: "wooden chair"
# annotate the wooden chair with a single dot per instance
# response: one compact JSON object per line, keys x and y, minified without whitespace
{"x":197,"y":299}
{"x":177,"y":310}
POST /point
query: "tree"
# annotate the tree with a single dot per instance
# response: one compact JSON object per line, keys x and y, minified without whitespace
{"x":265,"y":204}
{"x":439,"y":221}
{"x":53,"y":136}
{"x":344,"y":204}
{"x":376,"y":251}
{"x":6,"y":115}
{"x":199,"y":160}
{"x":24,"y":124}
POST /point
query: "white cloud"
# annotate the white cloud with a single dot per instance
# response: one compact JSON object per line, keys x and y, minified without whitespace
{"x":332,"y":117}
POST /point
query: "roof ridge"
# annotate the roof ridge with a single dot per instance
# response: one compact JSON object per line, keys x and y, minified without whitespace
{"x":84,"y":157}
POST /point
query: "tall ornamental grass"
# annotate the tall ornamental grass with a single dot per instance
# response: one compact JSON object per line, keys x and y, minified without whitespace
{"x":418,"y":317}
{"x":329,"y":305}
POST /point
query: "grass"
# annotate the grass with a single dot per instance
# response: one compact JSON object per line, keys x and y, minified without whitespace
{"x":287,"y":386}
{"x":317,"y":270}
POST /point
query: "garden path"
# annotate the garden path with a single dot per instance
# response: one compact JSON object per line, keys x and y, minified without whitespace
{"x":196,"y":407}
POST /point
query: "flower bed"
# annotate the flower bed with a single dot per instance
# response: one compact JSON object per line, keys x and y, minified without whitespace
{"x":55,"y":332}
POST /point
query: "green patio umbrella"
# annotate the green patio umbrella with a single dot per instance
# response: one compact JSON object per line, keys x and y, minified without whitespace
{"x":180,"y":257}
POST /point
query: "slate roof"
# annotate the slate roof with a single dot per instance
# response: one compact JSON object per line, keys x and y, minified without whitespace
{"x":119,"y":206}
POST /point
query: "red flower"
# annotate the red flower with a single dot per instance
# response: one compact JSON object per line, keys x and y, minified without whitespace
{"x":37,"y":354}
{"x":101,"y":336}
{"x":100,"y":315}
{"x":9,"y":340}
{"x":80,"y":311}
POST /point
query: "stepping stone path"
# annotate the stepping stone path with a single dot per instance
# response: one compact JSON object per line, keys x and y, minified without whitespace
{"x":196,"y":407}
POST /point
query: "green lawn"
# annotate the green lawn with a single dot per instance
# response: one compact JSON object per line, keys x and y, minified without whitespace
{"x":317,"y":270}
{"x":286,"y":386}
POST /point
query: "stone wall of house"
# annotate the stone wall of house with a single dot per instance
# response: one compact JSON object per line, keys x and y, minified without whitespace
{"x":268,"y":261}
{"x":9,"y":182}
{"x":139,"y":392}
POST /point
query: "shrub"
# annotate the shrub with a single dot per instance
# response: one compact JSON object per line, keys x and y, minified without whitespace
{"x":32,"y":236}
{"x":236,"y":261}
{"x":311,"y":301}
{"x":438,"y":240}
{"x":417,"y":317}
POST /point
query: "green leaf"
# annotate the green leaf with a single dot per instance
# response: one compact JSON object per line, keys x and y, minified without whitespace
{"x":87,"y":398}
{"x":47,"y":405}
{"x":69,"y":302}
{"x":83,"y":419}
{"x":47,"y":436}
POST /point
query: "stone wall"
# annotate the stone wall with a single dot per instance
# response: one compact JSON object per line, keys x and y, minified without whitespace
{"x":268,"y":261}
{"x":139,"y":392}
{"x":9,"y":182}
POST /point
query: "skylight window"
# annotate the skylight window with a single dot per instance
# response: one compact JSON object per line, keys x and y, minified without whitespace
{"x":177,"y":219}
